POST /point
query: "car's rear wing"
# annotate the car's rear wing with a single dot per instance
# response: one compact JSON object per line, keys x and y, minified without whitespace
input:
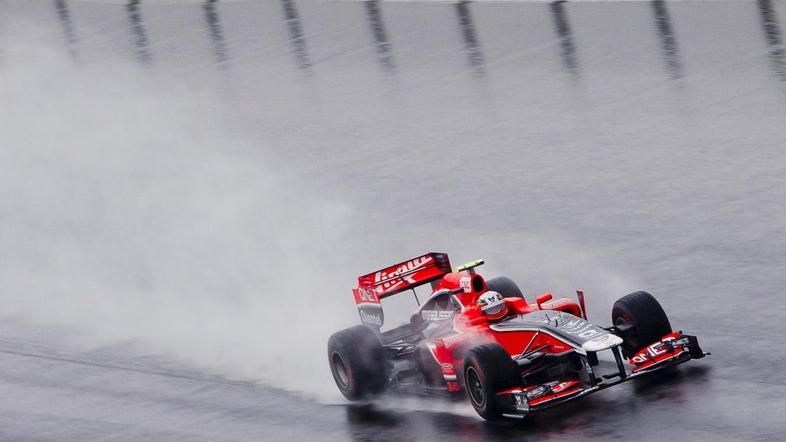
{"x":375,"y":286}
{"x":406,"y":275}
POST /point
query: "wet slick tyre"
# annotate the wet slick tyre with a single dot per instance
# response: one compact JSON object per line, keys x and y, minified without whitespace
{"x":506,"y":286}
{"x":644,"y":313}
{"x":357,"y":362}
{"x":488,"y":369}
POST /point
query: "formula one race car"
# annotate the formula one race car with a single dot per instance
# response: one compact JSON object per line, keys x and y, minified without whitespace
{"x":481,"y":337}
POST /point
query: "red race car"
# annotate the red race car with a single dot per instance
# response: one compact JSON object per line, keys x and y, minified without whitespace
{"x":481,"y":337}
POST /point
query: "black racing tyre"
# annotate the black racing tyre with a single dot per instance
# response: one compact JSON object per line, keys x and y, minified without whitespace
{"x":488,"y":369}
{"x":357,"y":361}
{"x":649,"y":321}
{"x":505,"y":286}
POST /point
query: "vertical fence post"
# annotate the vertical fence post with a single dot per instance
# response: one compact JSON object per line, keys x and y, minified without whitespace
{"x":668,"y":39}
{"x":381,"y":40}
{"x":71,"y":41}
{"x":296,"y":35}
{"x":774,"y":38}
{"x":565,"y":36}
{"x":215,"y":32}
{"x":471,"y":43}
{"x":141,"y":41}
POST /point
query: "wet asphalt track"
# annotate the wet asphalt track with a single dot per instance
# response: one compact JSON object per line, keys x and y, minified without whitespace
{"x":650,"y":134}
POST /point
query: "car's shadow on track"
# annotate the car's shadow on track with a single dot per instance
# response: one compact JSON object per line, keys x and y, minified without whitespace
{"x":674,"y":376}
{"x":596,"y":415}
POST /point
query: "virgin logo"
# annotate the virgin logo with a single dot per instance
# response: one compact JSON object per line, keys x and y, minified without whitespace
{"x":405,"y":270}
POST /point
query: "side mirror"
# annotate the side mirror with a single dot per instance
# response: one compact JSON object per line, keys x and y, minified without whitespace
{"x":543,"y":298}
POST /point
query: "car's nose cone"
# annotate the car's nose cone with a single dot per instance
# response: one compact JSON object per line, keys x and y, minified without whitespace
{"x":602,"y":342}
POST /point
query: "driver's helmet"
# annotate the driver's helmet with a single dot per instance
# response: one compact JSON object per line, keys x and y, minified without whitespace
{"x":492,"y":305}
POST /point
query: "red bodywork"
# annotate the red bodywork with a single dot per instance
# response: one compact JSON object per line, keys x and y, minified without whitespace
{"x":470,"y":326}
{"x":458,"y":324}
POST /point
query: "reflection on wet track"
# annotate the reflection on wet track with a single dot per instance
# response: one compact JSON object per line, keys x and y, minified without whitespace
{"x":216,"y":34}
{"x":68,"y":29}
{"x":381,"y":40}
{"x":562,"y":25}
{"x":581,"y":166}
{"x":471,"y":44}
{"x":141,"y":41}
{"x":296,"y":33}
{"x":772,"y":33}
{"x":668,"y":39}
{"x":568,"y":48}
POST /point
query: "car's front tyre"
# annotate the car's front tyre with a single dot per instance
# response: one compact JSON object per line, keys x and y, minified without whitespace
{"x":647,"y":318}
{"x":488,"y":369}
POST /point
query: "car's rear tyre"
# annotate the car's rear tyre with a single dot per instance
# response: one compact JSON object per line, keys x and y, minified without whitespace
{"x":505,"y":286}
{"x":488,"y":369}
{"x":357,"y":362}
{"x":645,"y":314}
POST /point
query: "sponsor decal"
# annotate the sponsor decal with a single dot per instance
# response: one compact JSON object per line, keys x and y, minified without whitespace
{"x":574,"y":326}
{"x":538,"y":391}
{"x":407,"y":267}
{"x":466,"y":284}
{"x":641,"y":358}
{"x":368,"y":295}
{"x":678,"y":342}
{"x":452,"y":339}
{"x":436,"y":315}
{"x":603,"y":338}
{"x":562,"y":386}
{"x":657,"y":349}
{"x":371,"y":317}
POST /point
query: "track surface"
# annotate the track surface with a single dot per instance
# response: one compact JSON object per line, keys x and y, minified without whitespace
{"x":646,"y":136}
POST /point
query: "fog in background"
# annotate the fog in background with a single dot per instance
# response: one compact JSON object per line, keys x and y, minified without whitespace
{"x":188,"y":191}
{"x":135,"y":211}
{"x":130,"y":212}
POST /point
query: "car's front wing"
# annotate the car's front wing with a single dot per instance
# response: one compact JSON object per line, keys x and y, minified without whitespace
{"x":673,"y":349}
